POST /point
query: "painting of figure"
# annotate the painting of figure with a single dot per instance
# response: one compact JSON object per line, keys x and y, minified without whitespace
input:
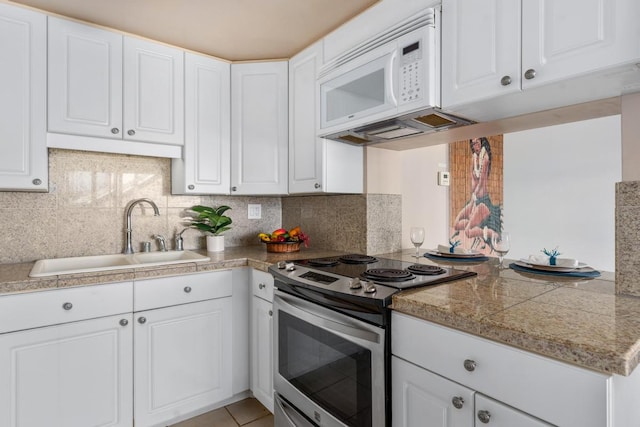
{"x":476,"y":192}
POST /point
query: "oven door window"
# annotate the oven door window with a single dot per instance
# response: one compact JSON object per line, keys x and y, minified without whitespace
{"x":333,"y":372}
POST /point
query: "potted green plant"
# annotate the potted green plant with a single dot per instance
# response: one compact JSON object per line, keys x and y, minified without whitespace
{"x":213,"y":222}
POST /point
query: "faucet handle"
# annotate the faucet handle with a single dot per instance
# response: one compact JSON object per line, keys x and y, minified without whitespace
{"x":161,"y":240}
{"x":179,"y":240}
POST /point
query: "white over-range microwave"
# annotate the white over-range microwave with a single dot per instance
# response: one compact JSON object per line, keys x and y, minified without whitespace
{"x":387,"y":87}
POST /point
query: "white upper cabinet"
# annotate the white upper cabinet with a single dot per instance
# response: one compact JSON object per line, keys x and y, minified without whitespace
{"x":316,"y":165}
{"x":259,"y":128}
{"x":570,"y":51}
{"x":105,"y":85}
{"x":23,"y":110}
{"x":205,"y":166}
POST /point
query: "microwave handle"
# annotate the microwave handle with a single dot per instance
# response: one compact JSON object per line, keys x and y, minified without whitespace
{"x":392,"y":69}
{"x":306,"y":312}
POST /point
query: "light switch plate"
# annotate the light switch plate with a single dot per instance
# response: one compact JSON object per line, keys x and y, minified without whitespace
{"x":255,"y":211}
{"x":443,"y":178}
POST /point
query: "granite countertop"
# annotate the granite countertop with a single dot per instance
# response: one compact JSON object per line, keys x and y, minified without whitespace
{"x":579,"y":321}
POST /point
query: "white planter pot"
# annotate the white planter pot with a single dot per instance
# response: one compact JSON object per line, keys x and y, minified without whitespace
{"x":215,"y":243}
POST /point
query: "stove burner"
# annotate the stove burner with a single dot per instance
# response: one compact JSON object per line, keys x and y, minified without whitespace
{"x":426,"y":270}
{"x":387,"y":274}
{"x":323,"y":262}
{"x":357,"y":259}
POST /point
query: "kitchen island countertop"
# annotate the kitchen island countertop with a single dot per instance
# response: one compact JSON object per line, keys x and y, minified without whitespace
{"x":581,"y":322}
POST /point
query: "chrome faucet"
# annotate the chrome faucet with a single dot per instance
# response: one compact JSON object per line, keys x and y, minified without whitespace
{"x":128,"y":249}
{"x":161,"y":240}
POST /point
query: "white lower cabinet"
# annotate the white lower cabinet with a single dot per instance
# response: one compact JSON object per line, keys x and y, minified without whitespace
{"x":182,"y":353}
{"x":262,"y":338}
{"x":75,"y":373}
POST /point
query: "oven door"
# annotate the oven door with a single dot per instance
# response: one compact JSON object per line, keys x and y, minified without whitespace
{"x":329,"y":366}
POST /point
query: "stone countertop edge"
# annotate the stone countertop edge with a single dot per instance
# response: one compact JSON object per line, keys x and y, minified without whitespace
{"x":581,"y":322}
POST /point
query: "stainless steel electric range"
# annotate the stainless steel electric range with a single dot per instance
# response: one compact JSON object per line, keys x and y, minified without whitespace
{"x":331,"y":334}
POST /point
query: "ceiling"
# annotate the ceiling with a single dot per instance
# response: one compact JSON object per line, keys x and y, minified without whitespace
{"x":235,"y":30}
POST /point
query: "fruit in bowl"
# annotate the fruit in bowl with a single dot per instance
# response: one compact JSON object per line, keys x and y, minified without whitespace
{"x":281,"y":235}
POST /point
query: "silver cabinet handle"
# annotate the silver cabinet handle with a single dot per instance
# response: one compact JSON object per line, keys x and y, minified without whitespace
{"x":458,"y":402}
{"x":37,"y":181}
{"x":470,"y":365}
{"x":484,"y":416}
{"x":115,"y":131}
{"x":124,"y":322}
{"x":270,"y":312}
{"x":505,"y":81}
{"x":530,"y":74}
{"x":261,"y":285}
{"x":67,"y":306}
{"x":142,"y":320}
{"x":191,"y":186}
{"x":317,"y":186}
{"x":234,"y":188}
{"x":131,"y":132}
{"x":187,"y":289}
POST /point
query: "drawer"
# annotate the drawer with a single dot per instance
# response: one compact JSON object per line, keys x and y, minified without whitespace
{"x":167,"y":291}
{"x":558,"y":392}
{"x":42,"y":308}
{"x":262,"y":285}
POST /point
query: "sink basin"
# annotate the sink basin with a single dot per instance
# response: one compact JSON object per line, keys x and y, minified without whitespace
{"x":85,"y":264}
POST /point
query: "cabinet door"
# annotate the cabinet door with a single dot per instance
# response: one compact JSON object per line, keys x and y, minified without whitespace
{"x":23,"y":83}
{"x":73,"y":375}
{"x":262,"y":351}
{"x":305,"y":148}
{"x":421,"y":398}
{"x":561,"y":39}
{"x":496,"y":414}
{"x":182,"y":359}
{"x":205,"y":166}
{"x":259,"y":128}
{"x":480,"y":50}
{"x":85,"y":80}
{"x":153,"y":92}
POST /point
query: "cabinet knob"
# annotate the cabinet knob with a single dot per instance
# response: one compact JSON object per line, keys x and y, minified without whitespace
{"x":142,"y":320}
{"x":37,"y":181}
{"x":317,"y":186}
{"x":67,"y":306}
{"x":458,"y":402}
{"x":124,"y":322}
{"x":187,"y":289}
{"x":115,"y":131}
{"x":270,"y":312}
{"x":530,"y":74}
{"x":191,"y":186}
{"x":261,"y":285}
{"x":234,"y":188}
{"x":470,"y":365}
{"x":505,"y":81}
{"x":131,"y":132}
{"x":484,"y":416}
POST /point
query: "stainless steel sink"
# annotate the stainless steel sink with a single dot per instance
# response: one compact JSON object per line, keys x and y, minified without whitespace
{"x":85,"y":264}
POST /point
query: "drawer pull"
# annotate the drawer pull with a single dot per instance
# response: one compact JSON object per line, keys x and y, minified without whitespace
{"x":458,"y":402}
{"x":187,"y":289}
{"x":470,"y":365}
{"x":124,"y":322}
{"x":484,"y":416}
{"x":261,"y":286}
{"x":270,"y":312}
{"x":67,"y":306}
{"x":142,"y":320}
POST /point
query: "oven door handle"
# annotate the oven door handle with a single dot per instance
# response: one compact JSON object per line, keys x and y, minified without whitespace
{"x":288,"y":412}
{"x":306,"y":312}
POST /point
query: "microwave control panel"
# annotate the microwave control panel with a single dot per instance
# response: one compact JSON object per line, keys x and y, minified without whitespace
{"x":411,"y":85}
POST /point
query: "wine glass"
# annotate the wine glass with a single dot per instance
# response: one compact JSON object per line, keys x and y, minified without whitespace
{"x":417,"y":238}
{"x":501,"y":244}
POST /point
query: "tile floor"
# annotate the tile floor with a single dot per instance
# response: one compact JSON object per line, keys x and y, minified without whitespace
{"x":246,"y":413}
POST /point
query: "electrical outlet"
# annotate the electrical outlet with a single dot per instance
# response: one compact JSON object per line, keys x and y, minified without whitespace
{"x":443,"y":178}
{"x":255,"y":211}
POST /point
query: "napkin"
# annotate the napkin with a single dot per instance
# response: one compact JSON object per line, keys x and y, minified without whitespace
{"x":445,"y":249}
{"x":560,"y":262}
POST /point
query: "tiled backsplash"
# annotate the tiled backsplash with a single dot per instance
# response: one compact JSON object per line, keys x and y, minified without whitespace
{"x":369,"y":223}
{"x":83,"y":213}
{"x":628,"y":238}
